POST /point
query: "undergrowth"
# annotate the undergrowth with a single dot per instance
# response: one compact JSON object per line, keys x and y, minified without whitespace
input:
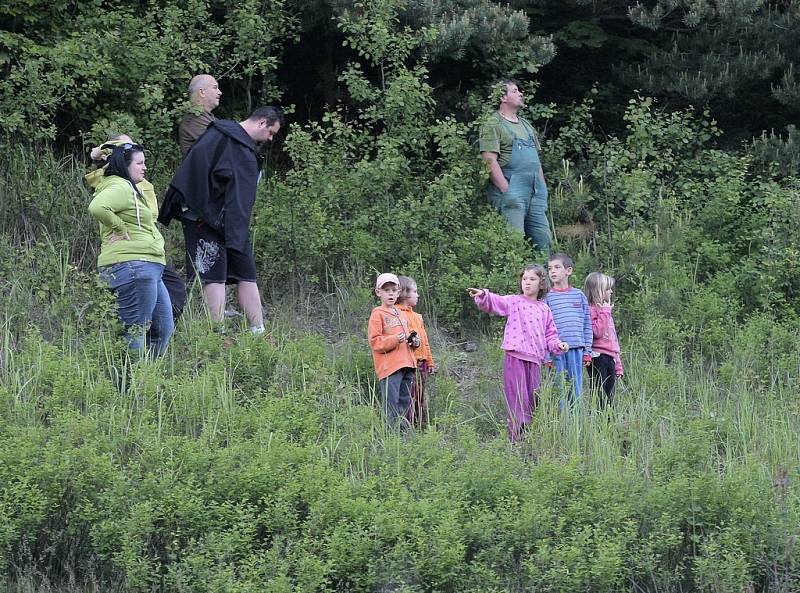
{"x":265,"y":466}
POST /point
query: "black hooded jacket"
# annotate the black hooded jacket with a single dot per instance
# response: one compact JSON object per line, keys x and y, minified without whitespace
{"x":217,"y":180}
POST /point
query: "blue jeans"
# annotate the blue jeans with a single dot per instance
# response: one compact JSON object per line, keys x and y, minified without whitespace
{"x":524,"y":205}
{"x":144,"y":305}
{"x":571,"y":363}
{"x":396,"y":392}
{"x":525,"y":209}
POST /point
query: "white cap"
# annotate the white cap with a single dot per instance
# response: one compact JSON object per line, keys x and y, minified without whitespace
{"x":385,"y":279}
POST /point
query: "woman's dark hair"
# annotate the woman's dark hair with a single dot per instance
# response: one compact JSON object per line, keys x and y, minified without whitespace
{"x":118,"y":161}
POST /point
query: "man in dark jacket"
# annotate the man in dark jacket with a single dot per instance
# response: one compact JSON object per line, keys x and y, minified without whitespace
{"x":213,"y":193}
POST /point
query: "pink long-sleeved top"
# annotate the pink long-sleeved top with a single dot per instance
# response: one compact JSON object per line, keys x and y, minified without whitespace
{"x":530,"y":330}
{"x":605,"y":334}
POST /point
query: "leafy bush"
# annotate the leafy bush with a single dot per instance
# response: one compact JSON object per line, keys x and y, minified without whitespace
{"x":388,"y":185}
{"x":253,"y":464}
{"x":174,"y":479}
{"x":71,"y":64}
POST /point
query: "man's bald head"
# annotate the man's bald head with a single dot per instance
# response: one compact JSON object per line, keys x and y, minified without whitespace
{"x":204,"y":91}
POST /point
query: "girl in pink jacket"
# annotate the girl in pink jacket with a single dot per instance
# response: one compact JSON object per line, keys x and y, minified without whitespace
{"x":530,"y":336}
{"x":606,"y":365}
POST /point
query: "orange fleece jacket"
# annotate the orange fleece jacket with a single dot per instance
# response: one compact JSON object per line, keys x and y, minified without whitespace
{"x":415,"y":323}
{"x":388,"y":354}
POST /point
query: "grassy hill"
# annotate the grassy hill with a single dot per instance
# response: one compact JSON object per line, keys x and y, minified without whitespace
{"x":264,"y":465}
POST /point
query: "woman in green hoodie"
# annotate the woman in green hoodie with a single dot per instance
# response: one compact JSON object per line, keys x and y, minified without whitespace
{"x":132,"y":254}
{"x":176,"y":286}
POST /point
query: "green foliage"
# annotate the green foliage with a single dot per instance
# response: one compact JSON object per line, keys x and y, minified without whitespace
{"x":271,"y":487}
{"x":582,"y":34}
{"x":734,"y":55}
{"x":697,"y":236}
{"x":248,"y":464}
{"x":778,"y":154}
{"x":125,"y":67}
{"x":72,"y":70}
{"x":388,"y":185}
{"x":491,"y":36}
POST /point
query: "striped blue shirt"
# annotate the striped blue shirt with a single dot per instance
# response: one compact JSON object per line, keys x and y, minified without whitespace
{"x":571,"y":314}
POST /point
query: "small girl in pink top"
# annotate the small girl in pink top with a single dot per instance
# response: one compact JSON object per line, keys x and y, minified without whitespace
{"x":606,"y":365}
{"x":529,"y":337}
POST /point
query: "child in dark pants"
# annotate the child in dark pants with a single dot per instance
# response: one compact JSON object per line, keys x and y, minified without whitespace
{"x":392,"y":350}
{"x":417,"y":414}
{"x":606,"y":365}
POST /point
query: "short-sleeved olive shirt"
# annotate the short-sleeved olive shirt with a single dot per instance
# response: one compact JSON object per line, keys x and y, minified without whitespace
{"x":495,"y":136}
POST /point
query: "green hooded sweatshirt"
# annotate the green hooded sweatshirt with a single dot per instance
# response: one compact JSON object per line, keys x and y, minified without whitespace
{"x":93,"y":179}
{"x":120,"y":210}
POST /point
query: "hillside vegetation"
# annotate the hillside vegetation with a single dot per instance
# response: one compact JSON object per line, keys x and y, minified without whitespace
{"x":252,"y":464}
{"x":265,"y":466}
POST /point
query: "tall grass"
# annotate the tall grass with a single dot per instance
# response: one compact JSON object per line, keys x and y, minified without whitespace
{"x":655,"y":401}
{"x":248,"y":463}
{"x":315,"y":392}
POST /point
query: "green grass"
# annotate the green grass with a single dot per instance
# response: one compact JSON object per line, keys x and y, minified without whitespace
{"x":266,"y":466}
{"x":688,"y":483}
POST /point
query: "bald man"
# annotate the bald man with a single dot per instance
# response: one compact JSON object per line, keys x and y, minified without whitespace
{"x":204,"y":93}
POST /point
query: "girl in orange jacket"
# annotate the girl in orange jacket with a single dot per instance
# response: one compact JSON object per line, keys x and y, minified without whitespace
{"x":417,"y":413}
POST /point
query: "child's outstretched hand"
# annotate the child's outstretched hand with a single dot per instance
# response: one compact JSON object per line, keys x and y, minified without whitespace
{"x":473,"y":292}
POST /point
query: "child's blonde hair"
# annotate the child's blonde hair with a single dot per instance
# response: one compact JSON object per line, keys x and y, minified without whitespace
{"x":544,"y":285}
{"x":596,"y":287}
{"x":406,"y":284}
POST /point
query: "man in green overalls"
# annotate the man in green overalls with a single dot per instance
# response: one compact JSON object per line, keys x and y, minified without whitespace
{"x":516,"y":188}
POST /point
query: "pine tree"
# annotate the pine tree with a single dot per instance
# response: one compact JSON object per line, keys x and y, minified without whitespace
{"x":720,"y":50}
{"x":494,"y":35}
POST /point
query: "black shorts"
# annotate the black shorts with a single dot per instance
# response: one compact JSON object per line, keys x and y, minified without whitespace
{"x":208,"y":258}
